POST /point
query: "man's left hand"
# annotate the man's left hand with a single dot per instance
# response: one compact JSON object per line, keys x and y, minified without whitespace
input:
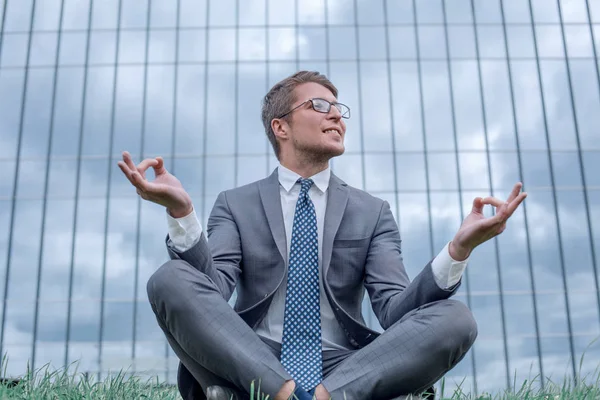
{"x":477,"y":229}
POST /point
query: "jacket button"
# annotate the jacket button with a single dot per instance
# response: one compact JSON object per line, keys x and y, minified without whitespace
{"x":266,"y":295}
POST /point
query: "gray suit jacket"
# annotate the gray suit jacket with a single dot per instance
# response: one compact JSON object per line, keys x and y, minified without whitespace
{"x":246,"y":249}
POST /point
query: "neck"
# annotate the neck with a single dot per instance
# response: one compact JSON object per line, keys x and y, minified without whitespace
{"x":305,"y":170}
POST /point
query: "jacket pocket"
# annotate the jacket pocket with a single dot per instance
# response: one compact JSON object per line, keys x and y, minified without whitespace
{"x":346,"y":243}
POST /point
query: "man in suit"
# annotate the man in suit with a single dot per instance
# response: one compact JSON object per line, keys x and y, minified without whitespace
{"x":301,"y":247}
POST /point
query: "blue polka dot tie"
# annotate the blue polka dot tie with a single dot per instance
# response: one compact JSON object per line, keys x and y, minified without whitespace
{"x":301,"y":342}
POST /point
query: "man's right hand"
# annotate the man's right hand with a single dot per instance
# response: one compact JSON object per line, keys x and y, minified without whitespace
{"x":165,"y":190}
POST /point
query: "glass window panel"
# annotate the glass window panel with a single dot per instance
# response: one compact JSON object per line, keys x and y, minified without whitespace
{"x":37,"y":113}
{"x":93,"y":179}
{"x":487,"y":12}
{"x":549,"y":41}
{"x":128,"y":113}
{"x":14,"y":50}
{"x":541,"y":219}
{"x":491,"y":365}
{"x":43,"y":49}
{"x":283,"y":44}
{"x":252,"y":138}
{"x":446,"y":219}
{"x":221,"y":45}
{"x":407,"y":106}
{"x":312,"y":44}
{"x":411,"y":172}
{"x":442,"y":171}
{"x":528,"y":105}
{"x":491,"y":41}
{"x":282,"y":13}
{"x":405,"y":48}
{"x":67,"y":112}
{"x":220,"y":173}
{"x":498,"y":103}
{"x":24,"y":256}
{"x":545,"y":11}
{"x":119,"y":185}
{"x":132,"y":48}
{"x":345,"y":77}
{"x":61,"y":181}
{"x":473,"y":171}
{"x":192,"y":45}
{"x":158,"y":135}
{"x":6,"y":185}
{"x":72,"y":48}
{"x":524,"y":361}
{"x":163,"y":14}
{"x":252,"y":45}
{"x":536,"y":170}
{"x":586,"y":100}
{"x":584,"y":312}
{"x":379,"y":170}
{"x":461,"y":42}
{"x":134,"y":14}
{"x":342,"y":43}
{"x":399,"y":12}
{"x":520,"y":42}
{"x":220,"y":125}
{"x":567,"y":172}
{"x":558,"y":105}
{"x":105,"y":14}
{"x":252,"y":13}
{"x":429,"y":12}
{"x":311,"y":13}
{"x":46,"y":15}
{"x":189,"y":171}
{"x":11,"y":89}
{"x":574,"y":11}
{"x":349,"y":168}
{"x":432,"y":42}
{"x":372,"y":43}
{"x":505,"y":172}
{"x":190,"y":110}
{"x":162,"y":46}
{"x":151,"y":246}
{"x":414,"y":232}
{"x":192,"y":13}
{"x":370,"y":12}
{"x":579,"y":43}
{"x":98,"y":112}
{"x":250,"y":169}
{"x":467,"y":106}
{"x":338,"y":12}
{"x":438,"y":115}
{"x":556,"y":357}
{"x":486,"y":309}
{"x":18,"y":15}
{"x":516,"y":11}
{"x":102,"y":49}
{"x":77,"y":14}
{"x":320,"y":66}
{"x":375,"y":106}
{"x":591,"y":164}
{"x":459,"y":12}
{"x":51,"y":351}
{"x":121,"y":247}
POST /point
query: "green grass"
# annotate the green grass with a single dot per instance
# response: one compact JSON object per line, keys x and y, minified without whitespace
{"x":45,"y":383}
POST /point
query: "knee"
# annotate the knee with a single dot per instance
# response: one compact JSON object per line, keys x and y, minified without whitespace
{"x":163,"y":282}
{"x":461,"y":325}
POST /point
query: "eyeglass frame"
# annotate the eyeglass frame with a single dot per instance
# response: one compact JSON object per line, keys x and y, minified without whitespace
{"x":313,"y":107}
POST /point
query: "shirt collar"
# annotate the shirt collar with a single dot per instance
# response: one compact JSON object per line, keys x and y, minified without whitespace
{"x":288,"y":178}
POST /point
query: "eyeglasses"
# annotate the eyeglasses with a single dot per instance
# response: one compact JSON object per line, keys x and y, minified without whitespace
{"x":323,"y":106}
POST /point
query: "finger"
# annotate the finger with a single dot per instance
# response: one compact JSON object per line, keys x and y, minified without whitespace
{"x":477,"y":205}
{"x":126,"y":171}
{"x":515,"y":192}
{"x":128,"y":160}
{"x":144,"y":165}
{"x":493,"y":201}
{"x":516,"y":203}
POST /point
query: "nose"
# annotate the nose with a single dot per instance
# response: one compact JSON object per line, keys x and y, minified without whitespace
{"x":334,"y":113}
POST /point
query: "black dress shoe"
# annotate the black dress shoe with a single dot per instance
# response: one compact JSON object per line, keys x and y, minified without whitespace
{"x":221,"y":393}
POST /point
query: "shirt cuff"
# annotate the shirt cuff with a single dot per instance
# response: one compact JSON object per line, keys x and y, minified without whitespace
{"x":184,"y":232}
{"x":446,"y":270}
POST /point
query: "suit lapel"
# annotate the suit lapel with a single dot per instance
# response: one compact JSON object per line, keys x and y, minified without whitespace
{"x":337,"y":199}
{"x":271,"y":200}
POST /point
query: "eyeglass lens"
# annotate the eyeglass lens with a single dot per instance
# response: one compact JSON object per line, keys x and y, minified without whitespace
{"x":324,"y":107}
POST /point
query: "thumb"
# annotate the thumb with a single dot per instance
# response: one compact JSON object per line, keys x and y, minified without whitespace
{"x":477,"y":205}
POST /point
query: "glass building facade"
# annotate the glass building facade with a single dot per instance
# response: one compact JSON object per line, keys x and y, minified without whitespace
{"x":450,"y":100}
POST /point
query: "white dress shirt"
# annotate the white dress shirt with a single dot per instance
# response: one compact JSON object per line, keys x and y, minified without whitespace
{"x":185,"y":232}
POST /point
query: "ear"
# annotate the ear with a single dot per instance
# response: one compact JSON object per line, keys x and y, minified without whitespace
{"x":280,"y":128}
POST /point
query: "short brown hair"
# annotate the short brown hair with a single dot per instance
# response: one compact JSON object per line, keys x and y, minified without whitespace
{"x":281,"y":97}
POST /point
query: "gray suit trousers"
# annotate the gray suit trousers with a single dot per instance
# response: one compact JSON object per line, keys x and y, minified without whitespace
{"x":218,"y":347}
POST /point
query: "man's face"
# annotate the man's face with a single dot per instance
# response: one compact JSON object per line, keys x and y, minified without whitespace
{"x":316,"y":134}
